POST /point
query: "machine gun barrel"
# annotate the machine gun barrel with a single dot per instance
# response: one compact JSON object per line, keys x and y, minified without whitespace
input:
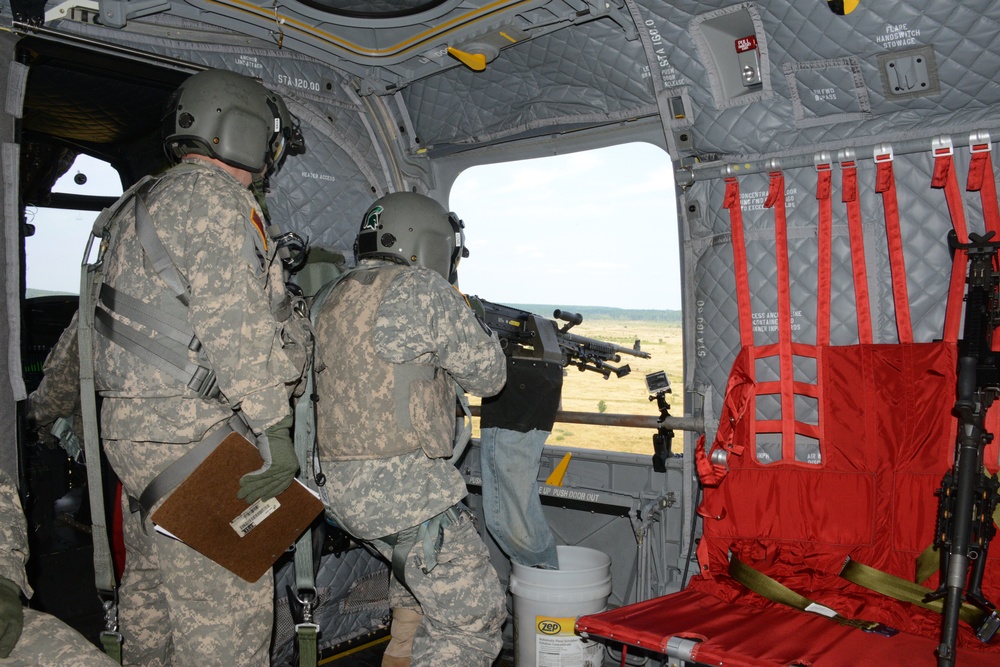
{"x":609,"y":350}
{"x":526,"y":334}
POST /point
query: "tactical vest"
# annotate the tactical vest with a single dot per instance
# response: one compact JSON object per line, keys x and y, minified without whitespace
{"x":370,"y":408}
{"x":174,"y":349}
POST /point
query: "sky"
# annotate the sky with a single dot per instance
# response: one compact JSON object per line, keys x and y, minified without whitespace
{"x":597,"y":228}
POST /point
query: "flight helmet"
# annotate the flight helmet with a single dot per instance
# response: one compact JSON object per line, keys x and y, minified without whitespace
{"x":414,"y":230}
{"x":230,"y":117}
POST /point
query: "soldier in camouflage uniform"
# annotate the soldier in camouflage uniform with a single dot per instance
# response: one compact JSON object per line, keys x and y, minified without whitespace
{"x":29,"y":637}
{"x":226,"y":130}
{"x":396,"y":337}
{"x":58,"y":394}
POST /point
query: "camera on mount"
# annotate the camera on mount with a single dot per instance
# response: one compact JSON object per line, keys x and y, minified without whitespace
{"x":658,"y":385}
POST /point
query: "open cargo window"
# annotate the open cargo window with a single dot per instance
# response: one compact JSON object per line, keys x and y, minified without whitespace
{"x":594,"y":233}
{"x":54,"y":252}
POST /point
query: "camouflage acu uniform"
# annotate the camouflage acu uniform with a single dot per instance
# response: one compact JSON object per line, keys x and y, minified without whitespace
{"x":177,"y":607}
{"x":413,"y":319}
{"x":45,"y":640}
{"x":58,"y":394}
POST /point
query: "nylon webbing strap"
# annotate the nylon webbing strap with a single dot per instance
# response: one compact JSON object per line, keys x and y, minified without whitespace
{"x":928,"y":562}
{"x":885,"y":185}
{"x":945,"y":178}
{"x":981,"y":164}
{"x":156,"y":252}
{"x":112,"y":646}
{"x":305,"y":450}
{"x":179,"y":470}
{"x":767,"y":587}
{"x":732,"y":202}
{"x":177,"y":329}
{"x":306,"y":634}
{"x":401,"y":543}
{"x":307,"y":631}
{"x":824,"y":285}
{"x":91,"y":278}
{"x":463,"y":433}
{"x":200,"y":379}
{"x":104,"y":573}
{"x":900,"y":589}
{"x":428,"y":534}
{"x":849,"y":182}
{"x":776,"y":200}
{"x":305,"y":437}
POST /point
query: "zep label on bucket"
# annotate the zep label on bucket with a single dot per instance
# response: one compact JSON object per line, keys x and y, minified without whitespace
{"x":556,"y":645}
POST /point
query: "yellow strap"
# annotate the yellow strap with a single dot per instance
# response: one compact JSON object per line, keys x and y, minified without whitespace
{"x":903,"y":590}
{"x":928,"y":562}
{"x":764,"y":585}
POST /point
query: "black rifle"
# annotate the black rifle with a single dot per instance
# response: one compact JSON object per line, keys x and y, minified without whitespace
{"x":968,"y":496}
{"x":525,"y":334}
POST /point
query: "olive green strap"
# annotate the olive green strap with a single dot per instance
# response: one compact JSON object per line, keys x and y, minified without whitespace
{"x":903,"y":590}
{"x":767,"y":587}
{"x":928,"y":562}
{"x":306,"y":634}
{"x":111,"y":642}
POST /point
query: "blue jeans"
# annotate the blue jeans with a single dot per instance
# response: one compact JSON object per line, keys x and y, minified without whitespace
{"x":510,"y":496}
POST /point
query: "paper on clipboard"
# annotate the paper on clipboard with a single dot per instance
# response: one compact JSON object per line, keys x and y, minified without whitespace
{"x":204,"y":512}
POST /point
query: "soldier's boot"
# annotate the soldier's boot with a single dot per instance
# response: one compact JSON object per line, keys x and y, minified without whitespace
{"x":404,"y":625}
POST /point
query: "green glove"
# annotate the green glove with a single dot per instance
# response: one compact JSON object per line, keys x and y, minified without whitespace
{"x":280,"y":464}
{"x":477,"y":306}
{"x":11,"y":616}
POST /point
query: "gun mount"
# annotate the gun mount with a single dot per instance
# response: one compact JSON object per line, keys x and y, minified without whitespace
{"x":527,"y":335}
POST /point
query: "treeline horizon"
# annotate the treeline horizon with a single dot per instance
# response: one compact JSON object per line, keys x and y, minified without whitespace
{"x":591,"y":313}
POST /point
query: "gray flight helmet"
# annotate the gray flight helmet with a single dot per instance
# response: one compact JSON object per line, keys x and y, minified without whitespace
{"x":229,"y":117}
{"x":414,"y":230}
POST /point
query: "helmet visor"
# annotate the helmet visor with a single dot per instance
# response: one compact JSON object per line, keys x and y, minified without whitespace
{"x":277,"y":146}
{"x":458,"y":227}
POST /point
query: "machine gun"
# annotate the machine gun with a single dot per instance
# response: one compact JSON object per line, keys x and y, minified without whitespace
{"x":525,"y":334}
{"x":968,"y":496}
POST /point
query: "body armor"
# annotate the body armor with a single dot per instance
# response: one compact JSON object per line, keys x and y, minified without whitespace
{"x":371,"y":408}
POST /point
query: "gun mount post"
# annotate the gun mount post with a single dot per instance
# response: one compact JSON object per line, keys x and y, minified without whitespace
{"x":659,"y":386}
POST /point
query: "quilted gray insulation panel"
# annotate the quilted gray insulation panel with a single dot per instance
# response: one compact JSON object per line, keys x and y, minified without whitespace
{"x":323,"y":193}
{"x":823,"y":85}
{"x":823,"y":77}
{"x":352,"y":590}
{"x":924,"y":223}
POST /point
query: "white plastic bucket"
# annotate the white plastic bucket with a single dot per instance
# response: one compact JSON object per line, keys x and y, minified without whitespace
{"x":547,"y":604}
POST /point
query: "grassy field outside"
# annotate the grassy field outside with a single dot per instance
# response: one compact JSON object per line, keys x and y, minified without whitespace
{"x":587,"y":391}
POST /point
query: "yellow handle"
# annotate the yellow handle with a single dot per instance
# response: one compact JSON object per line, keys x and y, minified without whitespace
{"x":474,"y":61}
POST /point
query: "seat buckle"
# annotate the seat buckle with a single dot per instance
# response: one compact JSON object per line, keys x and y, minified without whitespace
{"x":203,"y":383}
{"x":882,"y":153}
{"x":988,"y":628}
{"x":942,"y":147}
{"x":881,"y":629}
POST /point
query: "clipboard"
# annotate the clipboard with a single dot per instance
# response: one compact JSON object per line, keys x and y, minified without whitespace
{"x":204,"y":512}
